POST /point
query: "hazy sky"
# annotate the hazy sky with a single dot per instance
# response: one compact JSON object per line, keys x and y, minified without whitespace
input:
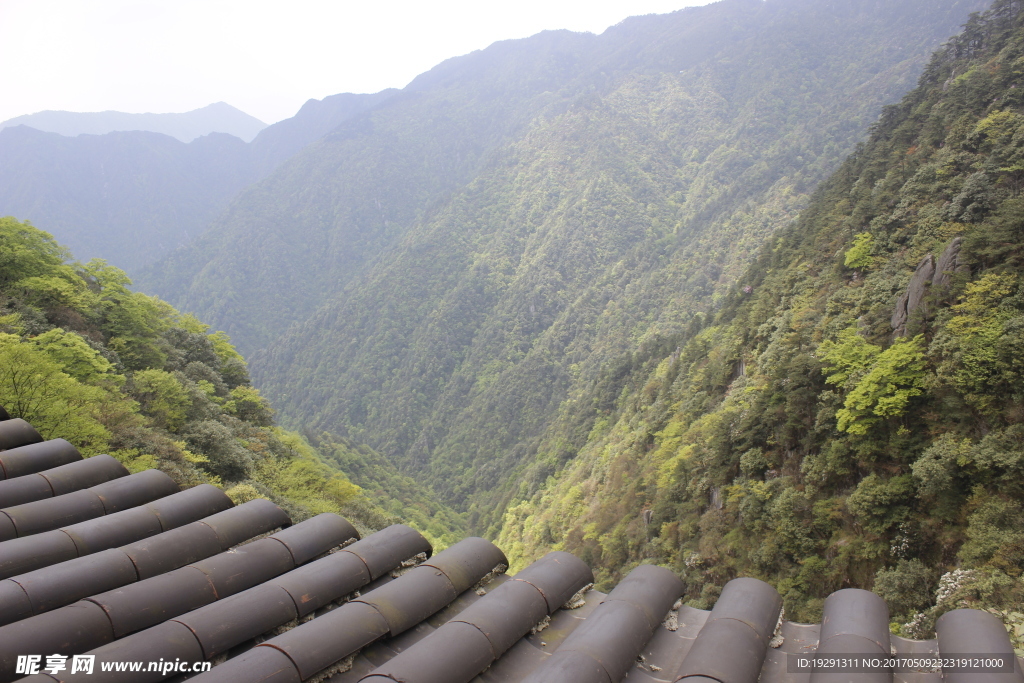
{"x":263,"y":57}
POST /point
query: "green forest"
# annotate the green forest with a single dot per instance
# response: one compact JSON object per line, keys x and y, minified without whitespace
{"x":854,"y":413}
{"x":84,"y":358}
{"x":720,"y":290}
{"x":554,"y":215}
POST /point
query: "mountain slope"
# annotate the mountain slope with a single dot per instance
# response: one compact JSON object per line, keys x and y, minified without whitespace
{"x":119,"y":372}
{"x":452,"y":323}
{"x":128,"y":197}
{"x":133,"y":197}
{"x":853,"y":415}
{"x":315,"y":119}
{"x":219,"y":117}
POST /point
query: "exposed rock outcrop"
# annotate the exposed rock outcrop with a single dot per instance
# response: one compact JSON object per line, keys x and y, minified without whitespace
{"x":948,"y":264}
{"x":912,"y":300}
{"x":929,"y":275}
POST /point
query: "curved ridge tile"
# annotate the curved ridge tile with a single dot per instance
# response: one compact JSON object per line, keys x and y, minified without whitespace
{"x":36,"y":457}
{"x":854,"y":621}
{"x":606,"y":645}
{"x":972,"y":631}
{"x":481,"y":633}
{"x":78,"y":506}
{"x":147,"y":603}
{"x":733,"y":642}
{"x":13,"y":434}
{"x":388,"y":610}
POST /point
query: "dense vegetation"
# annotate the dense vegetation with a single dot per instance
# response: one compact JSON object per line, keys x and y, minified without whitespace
{"x":114,"y":371}
{"x":854,"y":415}
{"x":618,"y":213}
{"x":728,"y":113}
{"x":578,"y":289}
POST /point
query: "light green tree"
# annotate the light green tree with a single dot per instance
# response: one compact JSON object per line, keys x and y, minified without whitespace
{"x":858,"y":256}
{"x":76,"y":357}
{"x":879,"y":383}
{"x":162,"y":397}
{"x":34,"y":387}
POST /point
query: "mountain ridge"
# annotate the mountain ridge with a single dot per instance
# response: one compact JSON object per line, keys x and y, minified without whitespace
{"x":132,"y":196}
{"x":219,"y":117}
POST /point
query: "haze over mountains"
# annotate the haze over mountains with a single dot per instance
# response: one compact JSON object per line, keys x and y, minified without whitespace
{"x":439,"y":275}
{"x":587,"y":291}
{"x":218,"y":117}
{"x":131,"y":197}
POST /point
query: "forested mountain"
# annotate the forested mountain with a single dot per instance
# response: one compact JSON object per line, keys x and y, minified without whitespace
{"x":219,"y":117}
{"x":465,"y":277}
{"x":134,"y":196}
{"x":854,"y":414}
{"x":578,"y":288}
{"x":314,"y":120}
{"x":712,"y":91}
{"x":114,"y":371}
{"x":129,"y":197}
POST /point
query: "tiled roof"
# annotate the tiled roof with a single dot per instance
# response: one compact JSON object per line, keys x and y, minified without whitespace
{"x":125,"y":567}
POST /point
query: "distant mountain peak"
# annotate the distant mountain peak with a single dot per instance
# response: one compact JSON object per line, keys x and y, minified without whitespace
{"x":219,"y":117}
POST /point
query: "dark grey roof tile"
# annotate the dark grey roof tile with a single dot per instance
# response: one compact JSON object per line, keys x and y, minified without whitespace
{"x":315,"y":536}
{"x":970,"y":631}
{"x":640,"y":675}
{"x":432,"y":623}
{"x":169,"y":550}
{"x":475,"y":558}
{"x":666,"y":650}
{"x":547,"y":574}
{"x":734,"y":640}
{"x":691,"y":620}
{"x":14,"y":602}
{"x":26,"y":489}
{"x":57,"y":481}
{"x":393,"y":608}
{"x":617,"y":631}
{"x":64,"y":583}
{"x":244,"y":521}
{"x":140,"y":605}
{"x":111,"y":531}
{"x":134,"y":490}
{"x":13,"y":434}
{"x":799,"y":638}
{"x":82,"y":474}
{"x":382,"y":553}
{"x":220,"y":626}
{"x":234,"y":620}
{"x":75,"y":628}
{"x":851,"y":616}
{"x":52,"y":513}
{"x":21,"y":555}
{"x":463,"y":647}
{"x":250,"y":565}
{"x":189,"y":505}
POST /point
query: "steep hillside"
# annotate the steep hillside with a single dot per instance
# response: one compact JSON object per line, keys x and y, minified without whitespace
{"x":325,"y":218}
{"x":454,"y":291}
{"x":133,"y":197}
{"x":112,"y":371}
{"x":219,"y":117}
{"x":854,"y":415}
{"x":128,"y":197}
{"x":315,"y":119}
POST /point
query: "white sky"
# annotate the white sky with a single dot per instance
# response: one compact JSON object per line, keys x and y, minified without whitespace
{"x":266,"y":58}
